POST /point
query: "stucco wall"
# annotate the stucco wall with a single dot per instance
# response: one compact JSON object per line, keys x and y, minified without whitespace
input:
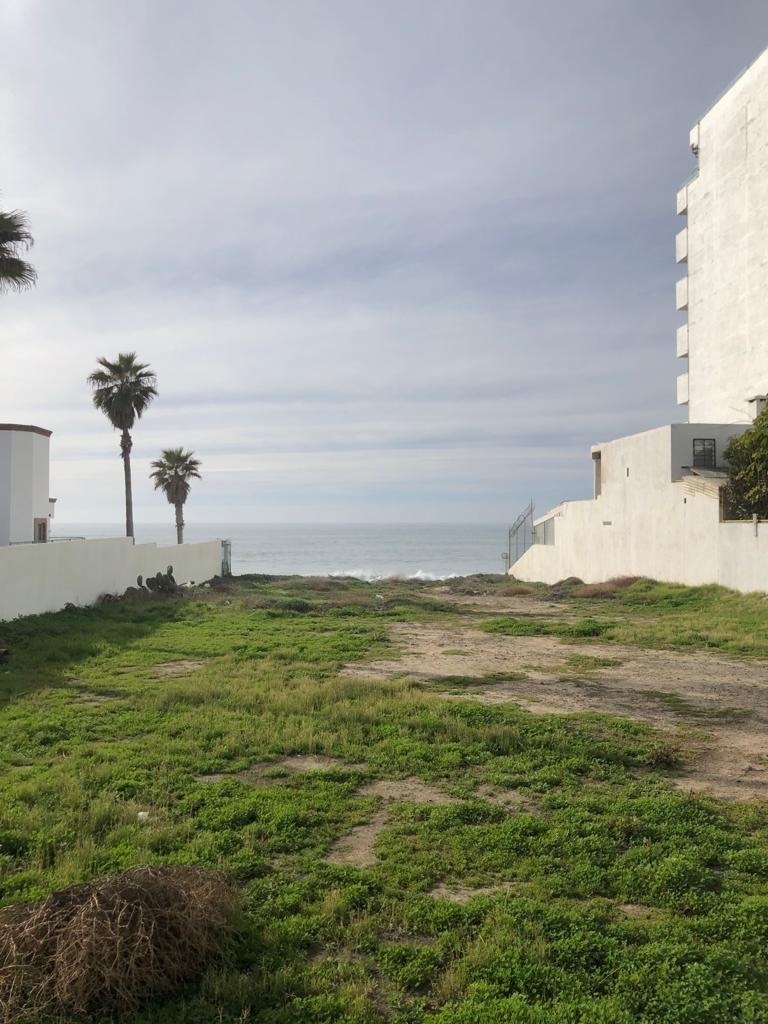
{"x":594,"y":540}
{"x":649,"y":522}
{"x":743,"y":556}
{"x":693,"y":548}
{"x":5,"y":487}
{"x":24,"y":483}
{"x":727,"y":242}
{"x":44,"y":577}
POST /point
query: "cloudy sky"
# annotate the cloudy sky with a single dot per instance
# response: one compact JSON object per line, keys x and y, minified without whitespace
{"x":392,"y":262}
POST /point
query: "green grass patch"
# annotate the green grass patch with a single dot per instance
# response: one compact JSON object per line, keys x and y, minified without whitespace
{"x":543,"y":940}
{"x":583,"y":630}
{"x":589,"y":662}
{"x":650,"y":614}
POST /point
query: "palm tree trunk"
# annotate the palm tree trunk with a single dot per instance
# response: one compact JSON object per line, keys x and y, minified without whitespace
{"x":125,"y":447}
{"x":179,"y":523}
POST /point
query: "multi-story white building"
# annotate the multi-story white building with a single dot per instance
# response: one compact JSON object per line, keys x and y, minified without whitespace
{"x":724,"y":252}
{"x":656,"y":508}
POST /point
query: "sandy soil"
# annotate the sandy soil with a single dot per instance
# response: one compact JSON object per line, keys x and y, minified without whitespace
{"x":721,"y":704}
{"x":465,"y":893}
{"x":169,"y":669}
{"x":357,"y":848}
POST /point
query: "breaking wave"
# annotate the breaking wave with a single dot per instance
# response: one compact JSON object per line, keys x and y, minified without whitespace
{"x":374,"y":577}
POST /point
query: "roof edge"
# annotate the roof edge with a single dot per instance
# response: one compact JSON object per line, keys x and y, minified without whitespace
{"x":728,"y":88}
{"x":26,"y":428}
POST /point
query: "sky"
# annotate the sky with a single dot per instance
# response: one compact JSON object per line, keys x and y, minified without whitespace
{"x":391,"y":262}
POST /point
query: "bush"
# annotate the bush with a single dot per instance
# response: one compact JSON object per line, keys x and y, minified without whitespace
{"x":110,"y":945}
{"x":746,"y":493}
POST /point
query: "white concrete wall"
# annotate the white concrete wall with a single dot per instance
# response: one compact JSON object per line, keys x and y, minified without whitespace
{"x":44,"y":577}
{"x":6,"y":439}
{"x":22,"y":487}
{"x":24,"y":483}
{"x":648,"y":522}
{"x":41,"y":476}
{"x":694,"y":547}
{"x":727,"y":242}
{"x":676,"y":541}
{"x":743,"y":556}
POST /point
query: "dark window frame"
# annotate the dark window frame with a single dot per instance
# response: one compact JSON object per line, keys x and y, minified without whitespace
{"x":704,"y":453}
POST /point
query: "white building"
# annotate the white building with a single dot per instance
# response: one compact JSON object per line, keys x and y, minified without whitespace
{"x":656,"y":508}
{"x":41,"y":577}
{"x":724,"y":252}
{"x":25,"y":506}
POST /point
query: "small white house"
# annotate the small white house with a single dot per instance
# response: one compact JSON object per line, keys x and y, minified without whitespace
{"x":25,"y":505}
{"x":39,"y":577}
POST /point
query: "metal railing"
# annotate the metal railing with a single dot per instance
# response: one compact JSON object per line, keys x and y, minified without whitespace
{"x":520,"y":536}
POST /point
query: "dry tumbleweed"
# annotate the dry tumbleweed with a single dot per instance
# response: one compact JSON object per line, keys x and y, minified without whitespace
{"x":110,"y":945}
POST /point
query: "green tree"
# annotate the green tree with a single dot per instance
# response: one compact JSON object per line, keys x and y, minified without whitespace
{"x":122,"y":390}
{"x":746,"y":493}
{"x":172,"y":473}
{"x":15,"y":238}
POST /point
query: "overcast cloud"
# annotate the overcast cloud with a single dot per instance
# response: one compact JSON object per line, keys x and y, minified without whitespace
{"x":397,"y":261}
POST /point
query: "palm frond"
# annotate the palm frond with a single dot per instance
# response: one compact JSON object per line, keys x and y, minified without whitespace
{"x":172,"y":473}
{"x":14,"y":230}
{"x":122,"y":389}
{"x":15,"y":274}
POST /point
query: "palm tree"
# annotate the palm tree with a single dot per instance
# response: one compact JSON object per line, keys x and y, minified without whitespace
{"x":122,"y":390}
{"x":15,"y":273}
{"x":172,"y":473}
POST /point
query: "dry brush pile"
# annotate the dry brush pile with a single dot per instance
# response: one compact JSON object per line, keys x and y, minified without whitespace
{"x":110,"y":945}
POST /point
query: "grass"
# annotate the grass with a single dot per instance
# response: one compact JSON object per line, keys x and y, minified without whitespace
{"x":585,"y":629}
{"x":653,"y":614}
{"x":589,"y":662}
{"x":650,"y":614}
{"x":548,"y":944}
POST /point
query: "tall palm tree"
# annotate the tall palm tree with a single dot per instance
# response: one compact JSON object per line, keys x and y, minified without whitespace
{"x":172,"y":473}
{"x":122,"y":390}
{"x":15,"y":273}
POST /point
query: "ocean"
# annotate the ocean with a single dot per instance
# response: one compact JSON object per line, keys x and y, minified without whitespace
{"x":366,"y":551}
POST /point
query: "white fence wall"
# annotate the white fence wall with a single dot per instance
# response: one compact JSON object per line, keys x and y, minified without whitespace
{"x":677,"y":543}
{"x":44,"y":577}
{"x":743,"y":556}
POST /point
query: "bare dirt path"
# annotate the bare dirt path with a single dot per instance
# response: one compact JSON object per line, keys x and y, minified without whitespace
{"x":721,"y":703}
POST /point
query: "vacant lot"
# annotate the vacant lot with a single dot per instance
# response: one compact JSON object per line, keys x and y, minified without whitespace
{"x":451,"y":803}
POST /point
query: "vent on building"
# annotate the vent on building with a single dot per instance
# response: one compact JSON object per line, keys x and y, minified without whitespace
{"x":704,"y":453}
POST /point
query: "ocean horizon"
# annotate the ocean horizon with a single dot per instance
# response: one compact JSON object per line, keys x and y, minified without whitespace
{"x":365,"y":551}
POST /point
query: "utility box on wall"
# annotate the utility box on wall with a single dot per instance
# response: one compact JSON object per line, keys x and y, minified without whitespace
{"x":24,"y":483}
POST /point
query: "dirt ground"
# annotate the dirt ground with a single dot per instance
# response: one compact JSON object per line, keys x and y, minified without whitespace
{"x":358,"y":846}
{"x":719,"y":706}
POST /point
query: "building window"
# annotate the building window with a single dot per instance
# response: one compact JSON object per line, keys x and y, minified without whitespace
{"x":704,"y":453}
{"x":597,"y":474}
{"x":41,"y":531}
{"x":544,"y":533}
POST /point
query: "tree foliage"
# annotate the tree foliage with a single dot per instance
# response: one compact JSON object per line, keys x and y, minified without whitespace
{"x":172,"y":474}
{"x":122,"y":389}
{"x":746,"y":493}
{"x":16,"y":274}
